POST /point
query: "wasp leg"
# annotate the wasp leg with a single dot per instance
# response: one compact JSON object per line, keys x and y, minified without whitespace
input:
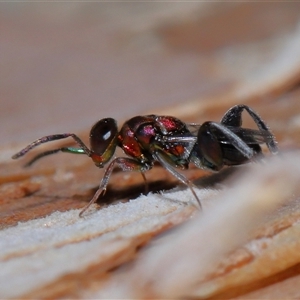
{"x":210,"y":150}
{"x":209,"y":153}
{"x":167,"y":164}
{"x":146,"y":183}
{"x":126,"y":164}
{"x":233,"y":117}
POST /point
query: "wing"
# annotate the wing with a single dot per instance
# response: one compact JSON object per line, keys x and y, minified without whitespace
{"x":249,"y":136}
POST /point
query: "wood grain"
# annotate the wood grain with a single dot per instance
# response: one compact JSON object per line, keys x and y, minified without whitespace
{"x":193,"y":61}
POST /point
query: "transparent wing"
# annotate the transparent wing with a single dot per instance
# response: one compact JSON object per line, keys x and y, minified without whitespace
{"x":193,"y":128}
{"x":249,"y":136}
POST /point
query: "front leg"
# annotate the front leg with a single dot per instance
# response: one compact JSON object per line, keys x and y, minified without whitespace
{"x":126,"y":164}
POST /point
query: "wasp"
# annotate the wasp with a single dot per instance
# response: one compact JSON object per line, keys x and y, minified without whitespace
{"x":169,"y":141}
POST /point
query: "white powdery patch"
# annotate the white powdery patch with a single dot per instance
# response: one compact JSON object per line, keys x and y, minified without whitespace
{"x":62,"y":243}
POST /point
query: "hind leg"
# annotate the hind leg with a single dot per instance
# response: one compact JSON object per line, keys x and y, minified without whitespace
{"x":233,"y":117}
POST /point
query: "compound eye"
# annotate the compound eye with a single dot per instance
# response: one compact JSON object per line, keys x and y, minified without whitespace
{"x":102,"y":135}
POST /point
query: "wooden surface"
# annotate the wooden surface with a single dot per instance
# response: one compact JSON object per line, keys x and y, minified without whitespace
{"x":62,"y":72}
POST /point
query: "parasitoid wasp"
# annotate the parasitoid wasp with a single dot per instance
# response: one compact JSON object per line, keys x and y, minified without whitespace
{"x":169,"y":141}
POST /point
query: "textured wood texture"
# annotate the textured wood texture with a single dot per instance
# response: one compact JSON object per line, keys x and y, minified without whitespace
{"x":61,"y":72}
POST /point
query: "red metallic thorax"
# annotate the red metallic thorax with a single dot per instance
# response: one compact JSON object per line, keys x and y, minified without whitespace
{"x":137,"y":136}
{"x":170,"y":125}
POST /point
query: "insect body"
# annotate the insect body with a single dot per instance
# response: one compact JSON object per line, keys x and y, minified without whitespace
{"x":171,"y":142}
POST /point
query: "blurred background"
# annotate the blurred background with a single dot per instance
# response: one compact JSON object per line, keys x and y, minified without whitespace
{"x":66,"y":65}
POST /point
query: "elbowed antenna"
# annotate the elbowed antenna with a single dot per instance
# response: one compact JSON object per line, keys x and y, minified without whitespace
{"x":82,"y":150}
